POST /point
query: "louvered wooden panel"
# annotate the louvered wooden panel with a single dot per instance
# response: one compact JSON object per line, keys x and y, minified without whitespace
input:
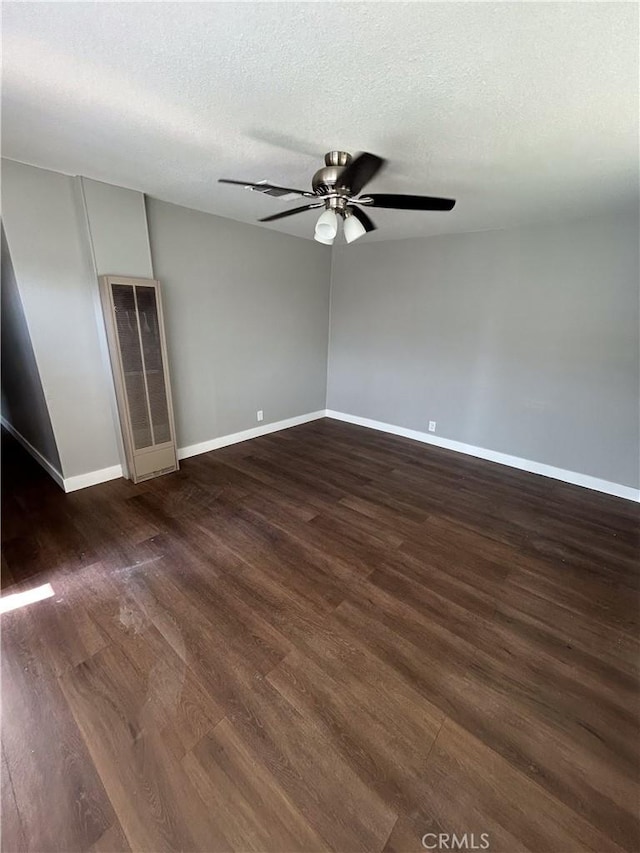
{"x":133,"y":317}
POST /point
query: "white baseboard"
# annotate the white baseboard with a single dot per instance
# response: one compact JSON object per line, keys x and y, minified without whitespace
{"x":71,"y":484}
{"x":572,"y":477}
{"x":48,"y":467}
{"x":245,"y":435}
{"x":92,"y":478}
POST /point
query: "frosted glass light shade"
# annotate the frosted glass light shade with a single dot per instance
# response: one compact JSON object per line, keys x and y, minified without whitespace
{"x":353,"y":229}
{"x":326,"y":240}
{"x":327,"y":225}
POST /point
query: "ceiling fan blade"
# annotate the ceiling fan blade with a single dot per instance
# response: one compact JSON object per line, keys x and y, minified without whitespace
{"x":267,"y":189}
{"x":362,"y":217}
{"x":360,"y":171}
{"x":407,"y":202}
{"x":291,"y":212}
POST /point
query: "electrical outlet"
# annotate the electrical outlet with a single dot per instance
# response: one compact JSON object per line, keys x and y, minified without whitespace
{"x":432,"y":426}
{"x":259,"y":414}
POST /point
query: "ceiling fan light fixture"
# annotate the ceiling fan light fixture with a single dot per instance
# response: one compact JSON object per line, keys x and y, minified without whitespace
{"x":353,"y":229}
{"x":336,"y":188}
{"x":328,"y":241}
{"x":327,"y":225}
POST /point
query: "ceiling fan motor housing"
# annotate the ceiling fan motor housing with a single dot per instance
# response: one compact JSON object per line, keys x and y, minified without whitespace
{"x":325,"y":179}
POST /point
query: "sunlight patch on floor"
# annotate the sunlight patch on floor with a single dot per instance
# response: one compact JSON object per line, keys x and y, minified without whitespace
{"x":21,"y":599}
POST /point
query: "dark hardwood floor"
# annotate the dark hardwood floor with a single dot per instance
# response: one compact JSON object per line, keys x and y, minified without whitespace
{"x":323,"y":639}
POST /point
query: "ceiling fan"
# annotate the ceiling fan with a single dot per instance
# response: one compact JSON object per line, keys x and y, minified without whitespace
{"x":335,"y":187}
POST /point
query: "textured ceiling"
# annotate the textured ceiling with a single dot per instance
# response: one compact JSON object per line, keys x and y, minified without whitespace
{"x":520,"y":111}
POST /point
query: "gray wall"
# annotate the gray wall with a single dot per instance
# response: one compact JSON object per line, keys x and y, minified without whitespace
{"x":23,"y":402}
{"x":117,"y":229}
{"x":246,"y":308}
{"x":520,"y":341}
{"x":246,"y":312}
{"x":47,"y":240}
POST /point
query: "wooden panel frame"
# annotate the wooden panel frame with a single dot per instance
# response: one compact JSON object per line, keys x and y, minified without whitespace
{"x":139,"y":472}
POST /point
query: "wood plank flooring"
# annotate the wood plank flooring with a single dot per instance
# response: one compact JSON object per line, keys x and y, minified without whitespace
{"x":322,"y":639}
